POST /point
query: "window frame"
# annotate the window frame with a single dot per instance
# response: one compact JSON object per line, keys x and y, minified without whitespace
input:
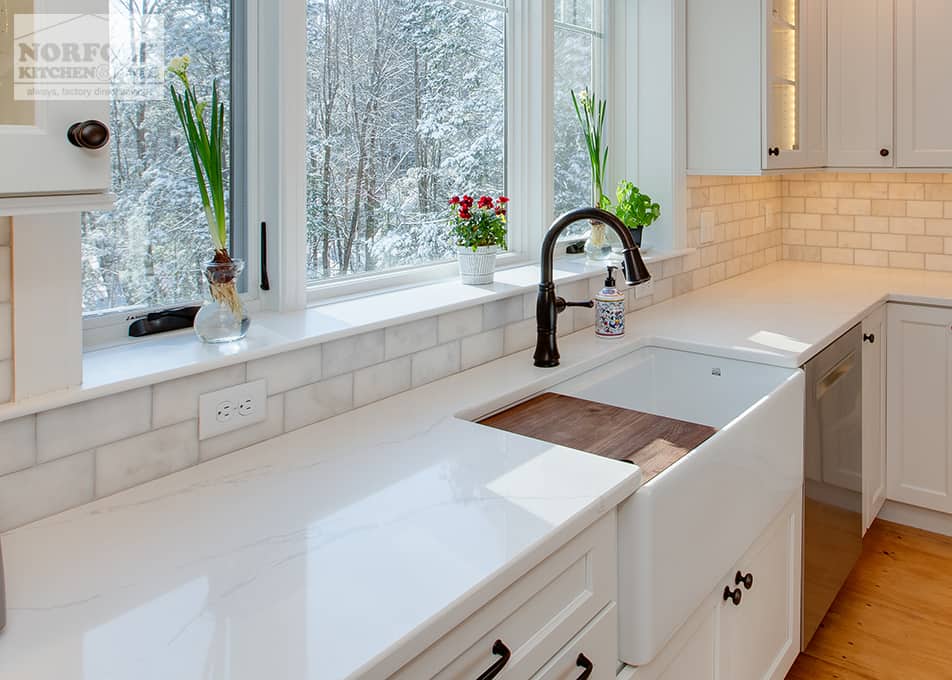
{"x":110,"y":326}
{"x":275,"y":134}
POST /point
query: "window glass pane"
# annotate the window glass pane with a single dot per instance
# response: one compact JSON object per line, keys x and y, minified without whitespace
{"x":572,"y":173}
{"x":406,"y":107}
{"x":149,"y":250}
{"x":575,"y":12}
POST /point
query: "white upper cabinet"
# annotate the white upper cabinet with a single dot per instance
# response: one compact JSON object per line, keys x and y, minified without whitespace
{"x":38,"y":157}
{"x":756,"y":84}
{"x":861,"y":83}
{"x":923,"y":86}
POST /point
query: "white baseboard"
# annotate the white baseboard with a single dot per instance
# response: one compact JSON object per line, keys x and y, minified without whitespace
{"x":920,"y":518}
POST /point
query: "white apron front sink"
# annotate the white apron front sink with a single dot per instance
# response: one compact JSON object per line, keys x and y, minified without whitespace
{"x":684,"y":529}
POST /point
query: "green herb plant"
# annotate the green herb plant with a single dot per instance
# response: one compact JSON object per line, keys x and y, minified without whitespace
{"x":634,"y":208}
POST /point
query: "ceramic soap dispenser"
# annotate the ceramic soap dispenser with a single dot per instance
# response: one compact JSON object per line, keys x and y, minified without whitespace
{"x":610,"y":309}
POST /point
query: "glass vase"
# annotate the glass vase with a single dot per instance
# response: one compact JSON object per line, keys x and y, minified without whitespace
{"x":222,"y":317}
{"x":598,"y":246}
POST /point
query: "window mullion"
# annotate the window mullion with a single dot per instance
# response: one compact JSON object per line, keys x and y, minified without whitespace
{"x":530,"y":122}
{"x":282,"y":136}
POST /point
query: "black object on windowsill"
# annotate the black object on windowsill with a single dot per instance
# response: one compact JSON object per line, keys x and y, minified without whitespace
{"x":163,"y":322}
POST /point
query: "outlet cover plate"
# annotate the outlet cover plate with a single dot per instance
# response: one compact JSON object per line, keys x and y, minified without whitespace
{"x":219,"y":412}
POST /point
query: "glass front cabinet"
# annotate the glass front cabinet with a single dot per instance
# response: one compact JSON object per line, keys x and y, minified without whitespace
{"x":756,"y":85}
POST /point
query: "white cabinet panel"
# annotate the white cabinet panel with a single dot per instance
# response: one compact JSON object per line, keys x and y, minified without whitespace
{"x":38,"y":157}
{"x":757,"y":639}
{"x":874,"y":415}
{"x":923,"y":87}
{"x":594,"y":650}
{"x":919,"y":405}
{"x":861,"y":83}
{"x":760,"y":638}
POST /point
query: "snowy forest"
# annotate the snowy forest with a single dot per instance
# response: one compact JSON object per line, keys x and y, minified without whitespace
{"x":406,"y":107}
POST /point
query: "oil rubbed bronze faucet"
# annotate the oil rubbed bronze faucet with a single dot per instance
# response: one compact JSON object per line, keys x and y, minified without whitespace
{"x":549,"y":305}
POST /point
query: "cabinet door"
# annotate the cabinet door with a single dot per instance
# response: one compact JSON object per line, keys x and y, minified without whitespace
{"x":33,"y":143}
{"x":874,"y":415}
{"x":923,"y":87}
{"x":785,"y":100}
{"x":918,"y":406}
{"x":760,"y":637}
{"x":861,"y":83}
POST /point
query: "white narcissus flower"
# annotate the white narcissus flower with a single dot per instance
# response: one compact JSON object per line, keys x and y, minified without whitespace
{"x":179,"y":65}
{"x":583,"y":97}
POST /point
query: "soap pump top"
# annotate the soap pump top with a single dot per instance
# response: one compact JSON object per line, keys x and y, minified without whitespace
{"x":610,"y":291}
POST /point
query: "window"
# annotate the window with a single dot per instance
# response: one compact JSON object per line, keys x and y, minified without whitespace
{"x":406,"y":107}
{"x":149,"y":250}
{"x":578,"y":46}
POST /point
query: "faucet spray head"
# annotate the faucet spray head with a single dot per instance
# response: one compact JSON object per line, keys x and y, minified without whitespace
{"x":634,"y":267}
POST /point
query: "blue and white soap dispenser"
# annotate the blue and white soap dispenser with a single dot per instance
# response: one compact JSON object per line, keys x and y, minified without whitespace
{"x":610,"y":309}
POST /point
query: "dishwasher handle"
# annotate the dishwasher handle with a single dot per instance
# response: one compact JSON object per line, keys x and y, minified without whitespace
{"x":835,"y":374}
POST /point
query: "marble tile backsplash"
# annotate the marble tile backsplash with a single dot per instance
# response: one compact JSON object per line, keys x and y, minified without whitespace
{"x":900,"y":220}
{"x":65,"y":457}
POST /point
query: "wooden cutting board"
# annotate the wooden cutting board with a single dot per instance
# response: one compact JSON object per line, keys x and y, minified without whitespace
{"x":652,"y":442}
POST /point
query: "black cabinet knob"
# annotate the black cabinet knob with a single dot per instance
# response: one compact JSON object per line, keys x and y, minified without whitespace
{"x":884,"y":153}
{"x":503,"y":652}
{"x":869,"y":337}
{"x":746,"y":579}
{"x":734,"y":596}
{"x":88,"y":134}
{"x":773,"y":151}
{"x":586,"y":665}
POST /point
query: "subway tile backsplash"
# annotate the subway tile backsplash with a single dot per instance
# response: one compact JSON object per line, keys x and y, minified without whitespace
{"x":898,"y":220}
{"x":69,"y":456}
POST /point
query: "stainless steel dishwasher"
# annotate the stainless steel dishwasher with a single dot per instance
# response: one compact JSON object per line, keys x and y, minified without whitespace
{"x":833,"y":475}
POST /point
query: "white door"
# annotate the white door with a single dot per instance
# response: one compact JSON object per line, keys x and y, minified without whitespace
{"x":874,"y":415}
{"x":37,"y":156}
{"x":861,"y":83}
{"x":785,"y":92}
{"x":919,"y":406}
{"x":923,"y":86}
{"x":760,"y":637}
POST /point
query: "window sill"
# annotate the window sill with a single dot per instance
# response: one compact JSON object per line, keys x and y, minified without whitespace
{"x":179,"y":354}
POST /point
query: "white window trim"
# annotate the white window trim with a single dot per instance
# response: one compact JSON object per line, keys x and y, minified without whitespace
{"x":276,"y":44}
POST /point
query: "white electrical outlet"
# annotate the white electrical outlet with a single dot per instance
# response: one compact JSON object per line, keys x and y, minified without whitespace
{"x":232,"y":408}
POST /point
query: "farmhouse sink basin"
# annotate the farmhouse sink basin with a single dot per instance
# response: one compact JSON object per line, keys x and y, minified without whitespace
{"x":685,"y":527}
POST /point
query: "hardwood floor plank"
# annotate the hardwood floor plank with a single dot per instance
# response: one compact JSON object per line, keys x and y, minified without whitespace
{"x":893,"y":618}
{"x":810,"y":668}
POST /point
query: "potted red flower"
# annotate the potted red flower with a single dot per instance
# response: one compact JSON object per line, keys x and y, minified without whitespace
{"x":479,"y":227}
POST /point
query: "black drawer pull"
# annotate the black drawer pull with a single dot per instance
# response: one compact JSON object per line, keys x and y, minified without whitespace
{"x":884,"y":153}
{"x":734,"y":596}
{"x":585,"y":663}
{"x":500,"y":650}
{"x":773,"y":151}
{"x":746,"y":579}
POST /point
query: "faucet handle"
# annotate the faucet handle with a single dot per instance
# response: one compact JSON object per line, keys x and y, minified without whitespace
{"x":561,"y":304}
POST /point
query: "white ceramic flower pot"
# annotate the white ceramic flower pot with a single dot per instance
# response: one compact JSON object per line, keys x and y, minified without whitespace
{"x":476,"y":267}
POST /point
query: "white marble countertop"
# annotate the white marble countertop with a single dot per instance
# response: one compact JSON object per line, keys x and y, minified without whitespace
{"x":338,"y":551}
{"x":346,"y":548}
{"x":785,"y":313}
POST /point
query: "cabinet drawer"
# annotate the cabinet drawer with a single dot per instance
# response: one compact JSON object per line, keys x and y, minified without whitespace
{"x":597,"y":645}
{"x":534,"y":617}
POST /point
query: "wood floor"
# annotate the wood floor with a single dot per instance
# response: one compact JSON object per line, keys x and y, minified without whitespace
{"x":893,"y":618}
